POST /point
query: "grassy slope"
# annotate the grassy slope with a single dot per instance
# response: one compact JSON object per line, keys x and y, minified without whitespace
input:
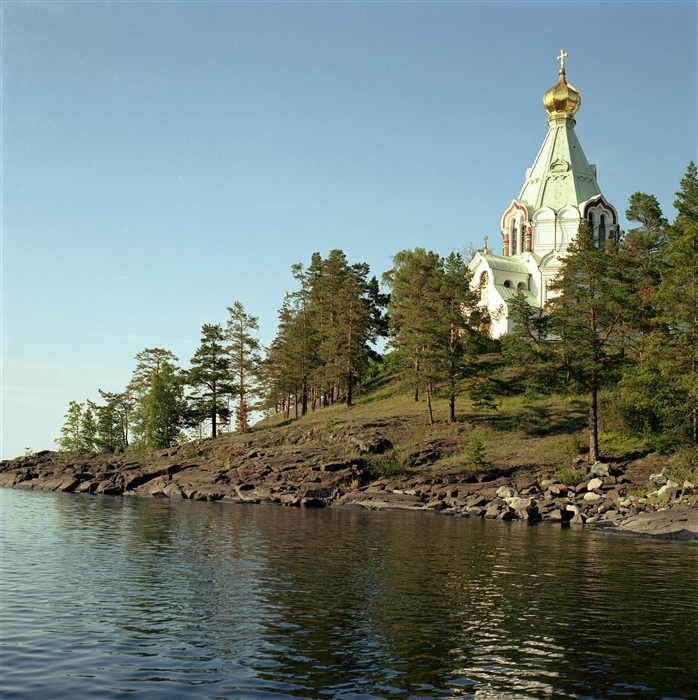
{"x":547,"y":435}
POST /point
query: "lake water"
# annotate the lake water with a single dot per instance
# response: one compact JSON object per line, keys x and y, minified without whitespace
{"x":103,"y":596}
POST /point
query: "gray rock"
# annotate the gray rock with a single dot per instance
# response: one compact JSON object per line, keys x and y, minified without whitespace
{"x":673,"y":523}
{"x":516,"y":503}
{"x":658,"y":478}
{"x":508,"y":515}
{"x":507,"y":492}
{"x":594,"y":484}
{"x":591,"y":496}
{"x":600,"y":469}
{"x":313,"y":503}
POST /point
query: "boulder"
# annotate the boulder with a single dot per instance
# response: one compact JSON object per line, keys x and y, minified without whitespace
{"x":312,"y":503}
{"x":516,"y":503}
{"x":673,"y":523}
{"x":507,"y":492}
{"x":658,"y":478}
{"x":493,"y":511}
{"x":508,"y":515}
{"x":595,"y":483}
{"x":600,"y":469}
{"x":591,"y":496}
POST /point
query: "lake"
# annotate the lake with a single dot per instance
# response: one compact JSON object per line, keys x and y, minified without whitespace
{"x":107,"y":596}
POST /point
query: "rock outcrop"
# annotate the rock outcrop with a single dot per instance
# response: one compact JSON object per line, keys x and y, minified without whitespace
{"x":337,"y":467}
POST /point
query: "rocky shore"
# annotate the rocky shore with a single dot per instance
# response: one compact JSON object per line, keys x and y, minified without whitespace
{"x":297,"y":468}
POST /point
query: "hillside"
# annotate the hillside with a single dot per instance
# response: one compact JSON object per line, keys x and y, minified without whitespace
{"x":381,"y":453}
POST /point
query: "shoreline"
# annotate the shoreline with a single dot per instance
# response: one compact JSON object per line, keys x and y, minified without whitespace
{"x":305,"y":477}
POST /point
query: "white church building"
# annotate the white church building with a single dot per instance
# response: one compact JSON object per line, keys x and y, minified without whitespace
{"x":559,"y":191}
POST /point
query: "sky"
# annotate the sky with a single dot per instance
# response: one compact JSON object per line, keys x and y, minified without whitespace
{"x":162,"y":160}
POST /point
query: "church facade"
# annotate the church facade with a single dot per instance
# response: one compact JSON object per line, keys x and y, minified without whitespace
{"x":559,"y":191}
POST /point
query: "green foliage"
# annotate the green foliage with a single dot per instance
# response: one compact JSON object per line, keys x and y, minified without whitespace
{"x":210,"y":380}
{"x":569,"y":476}
{"x":677,"y":300}
{"x":323,"y":346}
{"x":581,"y":334}
{"x":79,"y":430}
{"x":386,"y":466}
{"x":162,"y":410}
{"x":475,"y":453}
{"x":243,"y":351}
{"x":684,"y":465}
{"x":436,"y":324}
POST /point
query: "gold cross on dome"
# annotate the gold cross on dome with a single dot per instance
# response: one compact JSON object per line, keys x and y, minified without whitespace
{"x":563,"y":55}
{"x":486,"y":238}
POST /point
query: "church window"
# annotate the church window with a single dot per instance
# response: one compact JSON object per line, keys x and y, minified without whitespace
{"x":483,"y":279}
{"x":602,"y":231}
{"x":521,"y":285}
{"x":507,"y":283}
{"x":513,"y":243}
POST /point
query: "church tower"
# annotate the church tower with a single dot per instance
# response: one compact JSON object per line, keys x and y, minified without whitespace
{"x":559,"y":191}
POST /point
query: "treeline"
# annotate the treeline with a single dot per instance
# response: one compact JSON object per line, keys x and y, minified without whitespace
{"x":623,"y":316}
{"x":164,"y":404}
{"x":625,"y":319}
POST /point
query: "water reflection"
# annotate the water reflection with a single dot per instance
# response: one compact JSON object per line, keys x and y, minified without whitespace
{"x":196,"y":600}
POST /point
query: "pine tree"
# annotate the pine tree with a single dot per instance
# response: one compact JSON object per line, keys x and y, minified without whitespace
{"x":460,"y":338}
{"x":114,"y":420}
{"x":149,"y":363}
{"x":413,"y":281}
{"x":163,"y":409}
{"x":210,"y":378}
{"x":436,"y":322}
{"x":640,"y":256}
{"x":585,"y":319}
{"x":243,"y":351}
{"x":677,"y":298}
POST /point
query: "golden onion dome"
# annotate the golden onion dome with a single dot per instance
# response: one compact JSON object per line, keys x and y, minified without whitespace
{"x":562,"y":100}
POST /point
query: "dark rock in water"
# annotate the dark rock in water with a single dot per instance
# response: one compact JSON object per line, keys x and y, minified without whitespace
{"x":508,"y":515}
{"x":559,"y":516}
{"x":312,"y":503}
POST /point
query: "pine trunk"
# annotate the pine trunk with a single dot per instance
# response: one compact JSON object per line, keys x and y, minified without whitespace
{"x":214,"y":416}
{"x":431,"y":413}
{"x":593,"y":427}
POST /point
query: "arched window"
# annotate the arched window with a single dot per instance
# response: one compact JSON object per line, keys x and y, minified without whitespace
{"x":484,"y":277}
{"x":513,"y":240}
{"x":521,"y":285}
{"x":507,"y":283}
{"x":602,"y":231}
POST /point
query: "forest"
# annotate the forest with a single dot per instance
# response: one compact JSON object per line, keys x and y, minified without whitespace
{"x":621,"y":330}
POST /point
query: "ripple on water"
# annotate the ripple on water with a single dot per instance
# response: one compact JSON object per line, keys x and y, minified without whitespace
{"x":103,"y":596}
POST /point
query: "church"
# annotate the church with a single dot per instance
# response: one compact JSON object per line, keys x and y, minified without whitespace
{"x":559,"y":191}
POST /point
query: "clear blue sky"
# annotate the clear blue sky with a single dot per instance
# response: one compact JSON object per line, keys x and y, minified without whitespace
{"x":161,"y":160}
